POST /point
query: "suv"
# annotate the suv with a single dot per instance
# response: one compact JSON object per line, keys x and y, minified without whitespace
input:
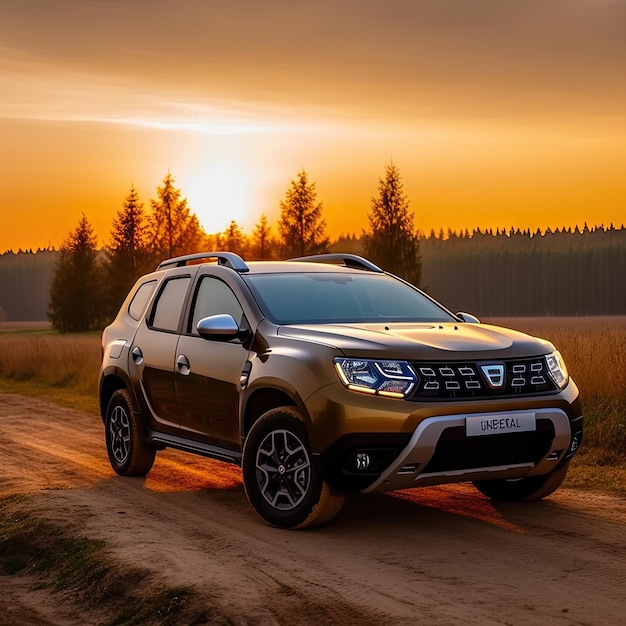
{"x":324,"y":375}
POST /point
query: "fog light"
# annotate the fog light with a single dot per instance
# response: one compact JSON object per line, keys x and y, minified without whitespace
{"x":362,"y":460}
{"x":575,"y":442}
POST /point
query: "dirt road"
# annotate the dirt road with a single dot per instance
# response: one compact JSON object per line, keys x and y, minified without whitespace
{"x":435,"y":556}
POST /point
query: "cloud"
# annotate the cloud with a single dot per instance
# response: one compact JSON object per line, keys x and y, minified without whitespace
{"x":398,"y":59}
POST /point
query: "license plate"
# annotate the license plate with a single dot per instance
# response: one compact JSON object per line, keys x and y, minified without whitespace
{"x":493,"y":424}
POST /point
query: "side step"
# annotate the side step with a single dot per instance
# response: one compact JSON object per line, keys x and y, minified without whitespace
{"x":159,"y":440}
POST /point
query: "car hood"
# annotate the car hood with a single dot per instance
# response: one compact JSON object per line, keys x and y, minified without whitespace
{"x":462,"y":341}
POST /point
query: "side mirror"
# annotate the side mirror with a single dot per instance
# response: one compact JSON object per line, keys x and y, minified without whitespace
{"x":469,"y":319}
{"x":218,"y":327}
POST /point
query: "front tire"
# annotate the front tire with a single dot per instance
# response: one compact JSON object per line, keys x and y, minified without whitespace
{"x":524,"y":489}
{"x":129,"y":454}
{"x":282,"y":477}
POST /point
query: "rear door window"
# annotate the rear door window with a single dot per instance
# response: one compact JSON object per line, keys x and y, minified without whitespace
{"x":169,"y":304}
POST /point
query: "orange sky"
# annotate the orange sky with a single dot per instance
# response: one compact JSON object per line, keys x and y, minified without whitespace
{"x":496,"y":113}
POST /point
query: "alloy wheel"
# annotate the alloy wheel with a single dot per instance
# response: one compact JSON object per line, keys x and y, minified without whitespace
{"x":119,"y":431}
{"x":283,"y":469}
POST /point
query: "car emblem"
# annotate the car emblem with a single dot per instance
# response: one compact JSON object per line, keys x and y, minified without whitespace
{"x":494,"y":375}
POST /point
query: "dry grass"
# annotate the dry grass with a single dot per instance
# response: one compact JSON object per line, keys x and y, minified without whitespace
{"x":63,"y":367}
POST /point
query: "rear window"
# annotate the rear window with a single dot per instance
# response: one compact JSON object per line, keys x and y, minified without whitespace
{"x":327,"y":298}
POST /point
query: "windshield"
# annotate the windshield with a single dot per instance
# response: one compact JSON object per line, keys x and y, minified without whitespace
{"x":332,"y":298}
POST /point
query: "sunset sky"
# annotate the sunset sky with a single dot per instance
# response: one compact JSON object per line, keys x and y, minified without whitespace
{"x":497,"y":112}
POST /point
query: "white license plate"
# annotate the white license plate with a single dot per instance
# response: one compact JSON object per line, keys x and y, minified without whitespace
{"x":493,"y":424}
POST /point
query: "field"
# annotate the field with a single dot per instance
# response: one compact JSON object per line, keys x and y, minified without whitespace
{"x":65,"y":368}
{"x":45,"y":363}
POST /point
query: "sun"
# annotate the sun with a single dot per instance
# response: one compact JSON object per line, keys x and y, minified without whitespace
{"x":220,"y":192}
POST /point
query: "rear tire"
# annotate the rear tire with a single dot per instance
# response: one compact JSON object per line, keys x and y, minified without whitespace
{"x":282,"y":477}
{"x":524,"y":489}
{"x":129,"y":454}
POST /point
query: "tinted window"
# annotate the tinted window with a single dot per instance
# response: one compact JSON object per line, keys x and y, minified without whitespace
{"x":340,"y":298}
{"x":214,"y":297}
{"x":139,"y":302}
{"x":170,"y":301}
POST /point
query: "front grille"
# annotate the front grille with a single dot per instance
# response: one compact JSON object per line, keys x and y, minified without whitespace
{"x":456,"y":451}
{"x":481,"y":379}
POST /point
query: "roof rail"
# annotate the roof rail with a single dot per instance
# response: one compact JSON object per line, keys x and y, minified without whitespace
{"x":229,"y":259}
{"x":348,"y":260}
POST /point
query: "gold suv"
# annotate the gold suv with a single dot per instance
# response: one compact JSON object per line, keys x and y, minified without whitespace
{"x":325,"y":375}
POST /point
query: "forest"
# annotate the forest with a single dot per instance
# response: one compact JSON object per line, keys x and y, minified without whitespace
{"x":519,"y":274}
{"x":25,"y":279}
{"x":515,"y":273}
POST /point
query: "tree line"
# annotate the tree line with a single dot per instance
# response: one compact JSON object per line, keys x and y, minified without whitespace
{"x":519,"y":273}
{"x":89,"y":285}
{"x":502,"y":273}
{"x":25,"y":279}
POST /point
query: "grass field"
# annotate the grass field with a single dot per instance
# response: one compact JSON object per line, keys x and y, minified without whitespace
{"x":65,"y":368}
{"x":594,"y":349}
{"x":45,"y":363}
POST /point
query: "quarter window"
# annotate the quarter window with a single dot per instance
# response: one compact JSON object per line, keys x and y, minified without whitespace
{"x":139,"y":302}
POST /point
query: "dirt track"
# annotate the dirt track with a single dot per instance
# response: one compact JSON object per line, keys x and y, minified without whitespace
{"x":435,"y":556}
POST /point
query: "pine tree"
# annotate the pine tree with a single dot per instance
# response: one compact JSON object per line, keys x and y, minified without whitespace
{"x":174,"y":229}
{"x":301,"y":227}
{"x":214,"y":242}
{"x":128,"y":255}
{"x":392,"y":241}
{"x":234,"y":239}
{"x":263,"y":243}
{"x":76,"y":291}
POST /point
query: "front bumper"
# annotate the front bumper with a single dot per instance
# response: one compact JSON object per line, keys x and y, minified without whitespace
{"x":431,"y":457}
{"x":412,"y":444}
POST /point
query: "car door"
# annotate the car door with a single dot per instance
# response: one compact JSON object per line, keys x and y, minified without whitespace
{"x":153,"y":352}
{"x":208,"y":371}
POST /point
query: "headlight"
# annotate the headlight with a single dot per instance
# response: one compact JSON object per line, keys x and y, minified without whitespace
{"x":394,"y":379}
{"x":557,"y":369}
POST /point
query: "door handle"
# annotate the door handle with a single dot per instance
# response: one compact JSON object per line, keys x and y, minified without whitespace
{"x":183,"y":365}
{"x":137,"y":355}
